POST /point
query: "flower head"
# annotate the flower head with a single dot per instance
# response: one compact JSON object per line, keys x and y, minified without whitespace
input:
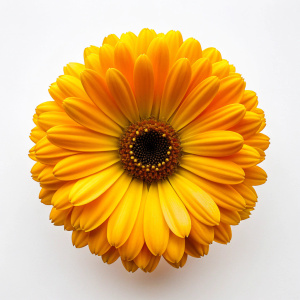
{"x":149,"y":149}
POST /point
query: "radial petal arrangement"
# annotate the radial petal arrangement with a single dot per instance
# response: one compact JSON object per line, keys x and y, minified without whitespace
{"x":149,"y":149}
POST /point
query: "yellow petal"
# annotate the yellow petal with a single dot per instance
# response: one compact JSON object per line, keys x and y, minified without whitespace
{"x":195,"y":102}
{"x":258,"y":140}
{"x":96,"y":212}
{"x":90,"y":116}
{"x":223,"y":195}
{"x":122,"y":94}
{"x":84,"y":164}
{"x":89,"y":188}
{"x":217,"y":170}
{"x":175,"y":248}
{"x":223,"y":233}
{"x":132,"y":247}
{"x":255,"y":176}
{"x":212,"y":54}
{"x":98,"y":243}
{"x":96,"y":88}
{"x":190,"y":49}
{"x":156,"y":230}
{"x":111,"y":39}
{"x":122,"y":220}
{"x":198,"y":202}
{"x":75,"y":216}
{"x":90,"y":50}
{"x":249,"y":100}
{"x":47,"y":106}
{"x":158,"y":53}
{"x":57,"y":94}
{"x":36,"y":170}
{"x":46,"y":176}
{"x":247,"y":157}
{"x":180,"y":264}
{"x":144,"y":85}
{"x":50,"y":119}
{"x":213,"y":143}
{"x":220,"y":119}
{"x":143,"y":258}
{"x":60,"y":199}
{"x":175,"y":88}
{"x":200,"y":232}
{"x":48,"y":197}
{"x":48,"y":153}
{"x":130,"y":39}
{"x":79,"y":138}
{"x":174,"y":41}
{"x":195,"y":249}
{"x":247,"y":193}
{"x":174,"y":210}
{"x":110,"y":256}
{"x":92,"y":62}
{"x":80,"y":238}
{"x":58,"y":217}
{"x":74,"y":69}
{"x":130,"y":266}
{"x":106,"y":58}
{"x":143,"y":41}
{"x":37,"y":134}
{"x":220,"y":69}
{"x":154,"y":260}
{"x":229,"y":217}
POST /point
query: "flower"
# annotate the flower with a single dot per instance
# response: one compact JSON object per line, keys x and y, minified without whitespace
{"x":149,"y":149}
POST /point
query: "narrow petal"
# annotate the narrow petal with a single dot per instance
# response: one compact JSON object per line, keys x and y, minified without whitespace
{"x":106,"y":58}
{"x":37,"y":134}
{"x":195,"y":249}
{"x":220,"y":119}
{"x":95,"y":86}
{"x":143,"y":41}
{"x":249,"y":100}
{"x":213,"y":143}
{"x":92,"y":62}
{"x":57,"y":94}
{"x":156,"y":230}
{"x":143,"y":258}
{"x":195,"y":102}
{"x":258,"y":140}
{"x":98,"y":243}
{"x":98,"y":211}
{"x":180,"y":264}
{"x":130,"y":266}
{"x":154,"y":260}
{"x":122,"y":220}
{"x":212,"y":54}
{"x":46,"y":176}
{"x":90,"y":116}
{"x":247,"y":193}
{"x":111,"y":39}
{"x":255,"y":176}
{"x":130,"y":39}
{"x":80,"y":238}
{"x":58,"y":217}
{"x":217,"y":170}
{"x":198,"y":202}
{"x":110,"y":256}
{"x":158,"y":54}
{"x":74,"y":69}
{"x":174,"y":41}
{"x":50,"y":119}
{"x":60,"y":199}
{"x":89,"y":188}
{"x":90,"y":50}
{"x":175,"y":248}
{"x":75,"y":216}
{"x":122,"y":93}
{"x":174,"y":210}
{"x":200,"y":232}
{"x":223,"y":233}
{"x":190,"y":49}
{"x":84,"y":164}
{"x":229,"y":217}
{"x":220,"y":69}
{"x":175,"y":88}
{"x":47,"y":106}
{"x":79,"y":138}
{"x":144,"y":85}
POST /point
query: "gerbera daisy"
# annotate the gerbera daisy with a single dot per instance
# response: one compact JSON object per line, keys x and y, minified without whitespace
{"x":149,"y":149}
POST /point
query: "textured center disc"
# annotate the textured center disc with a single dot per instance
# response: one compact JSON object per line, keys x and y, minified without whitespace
{"x":150,"y":150}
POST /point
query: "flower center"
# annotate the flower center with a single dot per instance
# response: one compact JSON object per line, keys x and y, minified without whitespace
{"x":150,"y":150}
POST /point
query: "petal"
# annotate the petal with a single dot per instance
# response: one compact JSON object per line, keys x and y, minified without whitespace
{"x":258,"y":140}
{"x":154,"y":260}
{"x":75,"y":216}
{"x":95,"y":86}
{"x":106,"y":58}
{"x":58,"y":217}
{"x":175,"y":248}
{"x":195,"y":249}
{"x":74,"y":69}
{"x":46,"y":176}
{"x":98,"y":211}
{"x":213,"y":143}
{"x":212,"y":54}
{"x":174,"y":41}
{"x":156,"y":230}
{"x":130,"y":39}
{"x":122,"y":93}
{"x":223,"y":195}
{"x":174,"y":210}
{"x":190,"y":49}
{"x":90,"y":50}
{"x":143,"y":258}
{"x":84,"y":164}
{"x":89,"y":188}
{"x":181,"y":263}
{"x":255,"y":176}
{"x":223,"y":234}
{"x":50,"y":119}
{"x":60,"y":199}
{"x":135,"y":242}
{"x":143,"y":41}
{"x":175,"y":88}
{"x":220,"y":119}
{"x":198,"y":202}
{"x":92,"y":62}
{"x":144,"y":85}
{"x":56,"y":93}
{"x":111,"y":39}
{"x":249,"y":100}
{"x":247,"y":193}
{"x":80,"y":238}
{"x":110,"y":256}
{"x":47,"y":106}
{"x":229,"y":217}
{"x":200,"y":232}
{"x":122,"y":220}
{"x":158,"y":54}
{"x":195,"y":102}
{"x":98,"y":243}
{"x":37,"y":134}
{"x":90,"y":116}
{"x":217,"y":170}
{"x":130,"y":266}
{"x":220,"y":69}
{"x":79,"y":138}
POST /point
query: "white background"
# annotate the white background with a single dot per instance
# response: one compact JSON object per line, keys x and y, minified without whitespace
{"x":38,"y":260}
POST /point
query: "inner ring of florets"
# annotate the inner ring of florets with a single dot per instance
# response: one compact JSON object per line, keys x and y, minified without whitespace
{"x":150,"y":150}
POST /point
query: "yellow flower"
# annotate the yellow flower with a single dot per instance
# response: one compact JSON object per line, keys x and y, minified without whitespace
{"x":150,"y":148}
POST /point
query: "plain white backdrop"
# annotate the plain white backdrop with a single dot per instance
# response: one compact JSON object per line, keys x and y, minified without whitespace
{"x":37,"y":259}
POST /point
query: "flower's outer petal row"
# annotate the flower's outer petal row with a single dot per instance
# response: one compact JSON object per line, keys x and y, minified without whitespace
{"x":47,"y":197}
{"x":60,"y":199}
{"x":143,"y":41}
{"x":84,"y":164}
{"x":91,"y":117}
{"x":75,"y":217}
{"x":36,"y":170}
{"x":122,"y":94}
{"x":98,"y":243}
{"x":180,"y":264}
{"x":214,"y":143}
{"x":143,"y":78}
{"x":57,"y":95}
{"x":130,"y":266}
{"x":220,"y":119}
{"x":156,"y":230}
{"x":229,"y":217}
{"x":175,"y":88}
{"x":106,"y":58}
{"x":258,"y":140}
{"x":174,"y":41}
{"x":50,"y":119}
{"x":80,"y":238}
{"x":158,"y":54}
{"x":174,"y":211}
{"x":90,"y":50}
{"x":122,"y":220}
{"x":195,"y":102}
{"x":143,"y":258}
{"x":249,"y":100}
{"x":190,"y":49}
{"x":248,"y":193}
{"x":92,"y":62}
{"x":255,"y":176}
{"x":111,"y":39}
{"x":74,"y":69}
{"x":130,"y":39}
{"x":89,"y":188}
{"x":220,"y":69}
{"x":47,"y":107}
{"x":212,"y":54}
{"x":47,"y":177}
{"x":195,"y":249}
{"x":223,"y":233}
{"x":57,"y":217}
{"x":213,"y":169}
{"x":201,"y":233}
{"x":37,"y":134}
{"x":95,"y":86}
{"x":175,"y":248}
{"x":134,"y":244}
{"x":198,"y":202}
{"x":110,"y":256}
{"x":78,"y":138}
{"x":99,"y":210}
